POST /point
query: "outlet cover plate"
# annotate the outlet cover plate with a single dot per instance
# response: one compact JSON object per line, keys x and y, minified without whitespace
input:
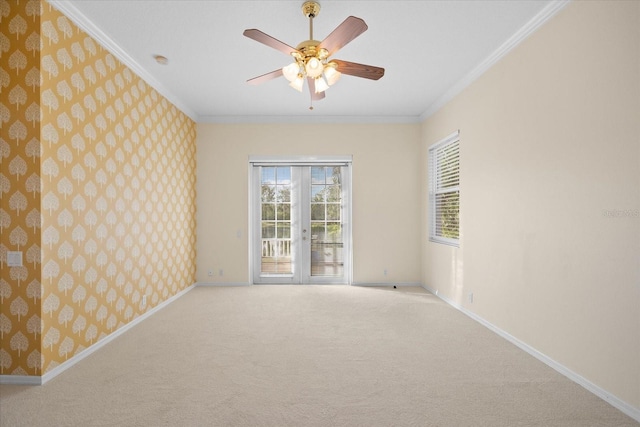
{"x":14,"y":258}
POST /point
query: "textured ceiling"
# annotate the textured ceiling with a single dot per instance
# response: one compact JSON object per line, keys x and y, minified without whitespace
{"x":429,"y":49}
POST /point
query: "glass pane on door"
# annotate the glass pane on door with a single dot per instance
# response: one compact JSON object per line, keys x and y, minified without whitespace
{"x":300,"y":222}
{"x":275,"y":220}
{"x":327,"y":246}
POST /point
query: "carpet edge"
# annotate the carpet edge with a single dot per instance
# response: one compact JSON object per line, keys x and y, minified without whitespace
{"x":603,"y":394}
{"x":43,"y":379}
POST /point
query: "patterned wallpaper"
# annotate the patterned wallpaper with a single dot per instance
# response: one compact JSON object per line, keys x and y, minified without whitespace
{"x":20,"y":187}
{"x":98,"y":191}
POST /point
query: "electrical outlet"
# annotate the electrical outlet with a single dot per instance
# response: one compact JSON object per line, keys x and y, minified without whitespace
{"x":144,"y":300}
{"x":210,"y":273}
{"x":220,"y":272}
{"x":14,"y":258}
{"x":470,"y":297}
{"x":385,"y":271}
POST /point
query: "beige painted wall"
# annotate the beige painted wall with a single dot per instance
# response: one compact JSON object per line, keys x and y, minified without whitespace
{"x":550,"y":179}
{"x":386,"y":187}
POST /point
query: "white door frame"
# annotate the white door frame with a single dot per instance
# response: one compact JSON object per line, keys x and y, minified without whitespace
{"x":255,"y":227}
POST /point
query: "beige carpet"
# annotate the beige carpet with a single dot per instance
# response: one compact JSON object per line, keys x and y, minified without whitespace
{"x":308,"y":356}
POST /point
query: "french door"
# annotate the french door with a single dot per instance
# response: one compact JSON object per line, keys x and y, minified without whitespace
{"x":300,"y":223}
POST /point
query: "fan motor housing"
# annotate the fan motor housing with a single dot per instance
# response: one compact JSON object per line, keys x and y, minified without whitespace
{"x":309,"y":48}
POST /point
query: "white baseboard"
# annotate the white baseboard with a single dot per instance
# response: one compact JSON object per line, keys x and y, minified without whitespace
{"x":385,"y":284}
{"x":20,"y":379}
{"x":614,"y":401}
{"x":364,"y":284}
{"x":39,"y":380}
{"x":223,"y":284}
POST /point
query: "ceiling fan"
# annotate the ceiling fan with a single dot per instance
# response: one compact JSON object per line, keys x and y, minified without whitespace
{"x":311,"y":57}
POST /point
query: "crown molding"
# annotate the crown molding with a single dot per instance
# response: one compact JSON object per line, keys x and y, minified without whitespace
{"x":310,"y":119}
{"x":549,"y":11}
{"x":103,"y":39}
{"x":109,"y":44}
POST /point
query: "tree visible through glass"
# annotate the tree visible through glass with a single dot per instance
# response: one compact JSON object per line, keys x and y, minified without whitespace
{"x":327,"y":257}
{"x":276,"y":220}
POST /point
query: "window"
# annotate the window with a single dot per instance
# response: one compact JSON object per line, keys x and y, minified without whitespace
{"x":444,"y":190}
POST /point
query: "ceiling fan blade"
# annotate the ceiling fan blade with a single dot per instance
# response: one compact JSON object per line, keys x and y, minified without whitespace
{"x":263,"y":38}
{"x":312,"y":90}
{"x":350,"y":28}
{"x":265,"y":77}
{"x":359,"y":70}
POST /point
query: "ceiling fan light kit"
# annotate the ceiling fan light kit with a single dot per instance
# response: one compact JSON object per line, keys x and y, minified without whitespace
{"x":311,"y":57}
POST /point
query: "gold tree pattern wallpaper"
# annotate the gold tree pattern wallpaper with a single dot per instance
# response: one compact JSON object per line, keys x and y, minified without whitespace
{"x":20,"y":187}
{"x":98,"y":191}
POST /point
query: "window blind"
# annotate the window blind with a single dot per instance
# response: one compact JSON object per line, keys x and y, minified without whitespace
{"x":444,"y":190}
